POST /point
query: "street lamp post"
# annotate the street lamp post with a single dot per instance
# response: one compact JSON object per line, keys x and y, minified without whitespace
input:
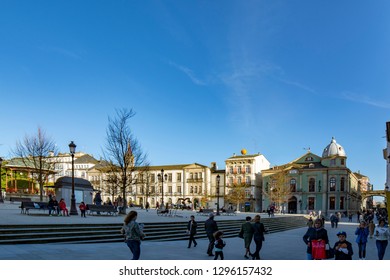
{"x":218,"y":180}
{"x":1,"y":192}
{"x":73,"y":210}
{"x":162,"y":177}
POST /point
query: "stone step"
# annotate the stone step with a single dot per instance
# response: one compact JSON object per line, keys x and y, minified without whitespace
{"x":92,"y":233}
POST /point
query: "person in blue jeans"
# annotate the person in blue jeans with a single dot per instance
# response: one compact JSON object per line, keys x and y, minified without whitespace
{"x":382,"y":236}
{"x":361,"y":239}
{"x":133,"y":233}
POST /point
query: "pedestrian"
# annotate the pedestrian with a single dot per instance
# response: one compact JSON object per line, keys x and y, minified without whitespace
{"x":219,"y":243}
{"x":332,"y":220}
{"x":191,"y":231}
{"x":82,"y":208}
{"x":371,"y":228}
{"x":315,"y":234}
{"x":98,"y":199}
{"x":246,"y":232}
{"x":361,"y":239}
{"x":147,"y":206}
{"x":210,"y":227}
{"x":382,"y":236}
{"x":342,"y":248}
{"x":258,"y":236}
{"x":133,"y":233}
{"x":350,"y":217}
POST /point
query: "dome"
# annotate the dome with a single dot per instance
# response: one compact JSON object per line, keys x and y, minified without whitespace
{"x":333,"y":149}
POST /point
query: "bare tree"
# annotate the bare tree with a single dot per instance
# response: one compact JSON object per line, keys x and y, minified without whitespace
{"x":123,"y":151}
{"x":237,"y":194}
{"x":35,"y":152}
{"x":279,"y":190}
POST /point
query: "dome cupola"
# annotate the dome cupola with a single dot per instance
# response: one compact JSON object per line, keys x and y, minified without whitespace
{"x":333,"y":149}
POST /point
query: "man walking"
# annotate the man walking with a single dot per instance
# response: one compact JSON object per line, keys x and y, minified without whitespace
{"x":210,"y":227}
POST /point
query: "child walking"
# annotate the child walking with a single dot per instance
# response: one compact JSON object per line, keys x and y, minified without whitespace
{"x":219,"y":244}
{"x":82,"y":208}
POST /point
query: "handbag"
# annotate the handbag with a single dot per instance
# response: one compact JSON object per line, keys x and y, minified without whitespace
{"x":318,"y":249}
{"x":241,"y":234}
{"x":329,"y":253}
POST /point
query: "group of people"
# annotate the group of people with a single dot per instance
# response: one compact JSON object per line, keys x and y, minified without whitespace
{"x":57,"y":207}
{"x":316,"y":239}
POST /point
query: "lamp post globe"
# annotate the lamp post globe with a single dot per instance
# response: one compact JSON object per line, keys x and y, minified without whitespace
{"x":218,"y":180}
{"x":73,"y":210}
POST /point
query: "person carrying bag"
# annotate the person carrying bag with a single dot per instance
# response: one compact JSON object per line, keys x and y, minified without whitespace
{"x":316,"y":239}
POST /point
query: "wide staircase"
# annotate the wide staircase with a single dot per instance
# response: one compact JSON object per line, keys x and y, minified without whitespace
{"x":99,"y":233}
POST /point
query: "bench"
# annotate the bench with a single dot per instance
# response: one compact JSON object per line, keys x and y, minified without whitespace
{"x":161,"y":212}
{"x":205,"y":212}
{"x":108,"y":209}
{"x":229,"y":212}
{"x":12,"y":199}
{"x":26,"y":206}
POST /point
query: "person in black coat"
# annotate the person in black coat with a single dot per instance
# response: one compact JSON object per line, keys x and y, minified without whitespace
{"x":343,"y":248}
{"x":317,"y":233}
{"x":210,"y":227}
{"x":191,"y":229}
{"x":258,"y":236}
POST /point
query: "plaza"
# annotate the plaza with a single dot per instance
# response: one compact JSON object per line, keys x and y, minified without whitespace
{"x":286,"y":245}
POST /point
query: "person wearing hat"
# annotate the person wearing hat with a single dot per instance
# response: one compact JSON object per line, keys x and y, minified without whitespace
{"x":342,"y":248}
{"x":210,"y":227}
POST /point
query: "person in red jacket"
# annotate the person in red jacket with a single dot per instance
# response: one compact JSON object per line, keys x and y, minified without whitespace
{"x":63,"y":208}
{"x":82,"y":208}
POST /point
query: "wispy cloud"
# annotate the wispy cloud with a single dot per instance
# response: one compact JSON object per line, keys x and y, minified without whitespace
{"x":359,"y":98}
{"x":299,"y":85}
{"x":189,"y":73}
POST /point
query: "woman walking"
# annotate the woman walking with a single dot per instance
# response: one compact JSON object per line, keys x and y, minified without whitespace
{"x":361,"y":239}
{"x":133,"y":233}
{"x":246,"y":232}
{"x":382,"y":236}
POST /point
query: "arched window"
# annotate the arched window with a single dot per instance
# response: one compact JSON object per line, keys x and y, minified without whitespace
{"x":312,"y":185}
{"x":293,"y":185}
{"x":332,"y":184}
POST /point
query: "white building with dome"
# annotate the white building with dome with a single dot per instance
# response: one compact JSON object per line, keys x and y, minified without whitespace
{"x":312,"y":183}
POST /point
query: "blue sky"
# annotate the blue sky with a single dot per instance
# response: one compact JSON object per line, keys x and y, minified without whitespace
{"x":206,"y":78}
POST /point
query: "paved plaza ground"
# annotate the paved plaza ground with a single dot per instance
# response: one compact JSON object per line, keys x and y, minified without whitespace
{"x":287,"y":245}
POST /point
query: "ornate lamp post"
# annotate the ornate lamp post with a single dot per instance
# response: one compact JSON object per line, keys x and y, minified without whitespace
{"x":1,"y":192}
{"x":73,"y":210}
{"x":162,"y":177}
{"x":218,"y":180}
